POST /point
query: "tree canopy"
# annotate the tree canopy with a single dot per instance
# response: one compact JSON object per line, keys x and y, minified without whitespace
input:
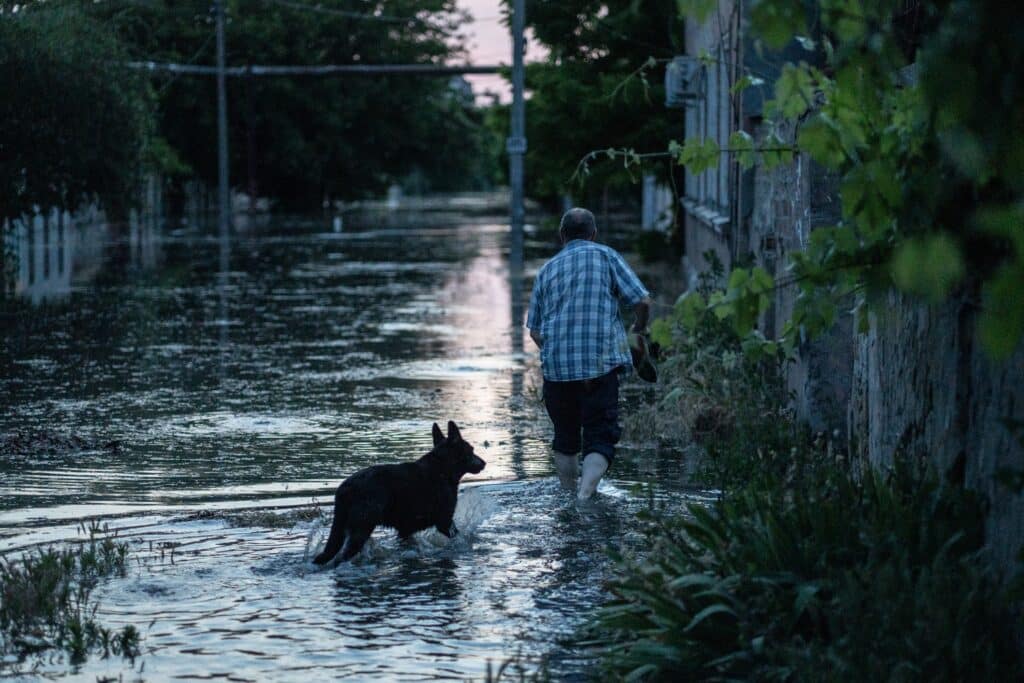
{"x":303,"y":138}
{"x":70,"y":131}
{"x":299,"y":139}
{"x":591,"y":91}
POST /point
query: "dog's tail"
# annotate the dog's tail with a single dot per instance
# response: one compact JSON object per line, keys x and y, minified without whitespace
{"x":338,"y":532}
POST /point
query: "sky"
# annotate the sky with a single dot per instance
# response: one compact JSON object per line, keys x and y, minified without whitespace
{"x":490,"y":43}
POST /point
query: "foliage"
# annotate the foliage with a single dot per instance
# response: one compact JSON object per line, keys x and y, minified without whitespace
{"x":589,"y":89}
{"x":45,"y":601}
{"x":719,"y":397}
{"x":930,"y":173}
{"x":71,"y":130}
{"x":833,"y":578}
{"x":805,"y":568}
{"x":301,"y":139}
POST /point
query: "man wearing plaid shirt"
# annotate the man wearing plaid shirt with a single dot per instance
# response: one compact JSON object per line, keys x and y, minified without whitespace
{"x":574,"y":319}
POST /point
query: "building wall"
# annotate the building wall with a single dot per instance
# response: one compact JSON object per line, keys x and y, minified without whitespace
{"x":924,"y":389}
{"x":709,"y":196}
{"x":916,"y":385}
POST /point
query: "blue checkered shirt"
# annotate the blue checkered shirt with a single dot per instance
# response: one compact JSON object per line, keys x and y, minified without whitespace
{"x":575,"y":307}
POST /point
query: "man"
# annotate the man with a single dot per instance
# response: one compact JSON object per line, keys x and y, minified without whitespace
{"x":574,"y":320}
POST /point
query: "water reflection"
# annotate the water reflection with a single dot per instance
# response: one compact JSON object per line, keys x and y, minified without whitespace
{"x":54,"y":250}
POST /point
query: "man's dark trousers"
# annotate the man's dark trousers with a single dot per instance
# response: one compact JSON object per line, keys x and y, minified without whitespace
{"x":590,"y":406}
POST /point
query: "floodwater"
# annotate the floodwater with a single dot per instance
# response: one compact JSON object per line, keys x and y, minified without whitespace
{"x":252,"y":375}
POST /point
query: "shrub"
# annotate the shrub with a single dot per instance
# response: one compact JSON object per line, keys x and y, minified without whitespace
{"x":839,"y":578}
{"x":716,"y":396}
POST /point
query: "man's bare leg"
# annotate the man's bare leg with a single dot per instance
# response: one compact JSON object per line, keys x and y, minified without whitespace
{"x":594,"y":467}
{"x":568,"y":468}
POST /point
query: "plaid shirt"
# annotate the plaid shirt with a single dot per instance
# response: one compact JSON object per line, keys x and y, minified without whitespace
{"x":575,"y":308}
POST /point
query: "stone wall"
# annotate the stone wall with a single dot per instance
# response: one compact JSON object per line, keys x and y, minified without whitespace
{"x":788,"y":203}
{"x":923,"y":389}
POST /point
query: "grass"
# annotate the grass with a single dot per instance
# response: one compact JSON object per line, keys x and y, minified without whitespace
{"x":46,"y":601}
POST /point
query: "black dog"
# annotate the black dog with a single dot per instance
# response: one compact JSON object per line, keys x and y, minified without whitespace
{"x":409,"y":497}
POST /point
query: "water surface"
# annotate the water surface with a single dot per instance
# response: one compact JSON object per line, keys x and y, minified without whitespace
{"x":257,"y":373}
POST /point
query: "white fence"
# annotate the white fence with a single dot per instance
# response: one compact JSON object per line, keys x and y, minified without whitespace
{"x":53,"y":250}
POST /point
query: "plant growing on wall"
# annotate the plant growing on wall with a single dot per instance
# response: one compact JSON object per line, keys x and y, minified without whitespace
{"x":931,"y":166}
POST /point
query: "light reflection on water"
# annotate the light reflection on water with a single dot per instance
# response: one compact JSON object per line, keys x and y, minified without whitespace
{"x":310,"y":356}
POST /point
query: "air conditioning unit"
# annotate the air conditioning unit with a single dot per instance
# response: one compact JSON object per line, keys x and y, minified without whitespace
{"x":681,"y":81}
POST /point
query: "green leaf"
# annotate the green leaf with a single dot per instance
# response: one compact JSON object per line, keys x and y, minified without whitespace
{"x":696,"y":155}
{"x":1001,"y":323}
{"x":929,"y":266}
{"x":742,"y":145}
{"x":761,"y":280}
{"x":661,"y":332}
{"x":708,"y":612}
{"x":691,"y":308}
{"x":774,"y":152}
{"x":794,"y":90}
{"x":777,"y":21}
{"x":738,"y":277}
{"x":820,"y":139}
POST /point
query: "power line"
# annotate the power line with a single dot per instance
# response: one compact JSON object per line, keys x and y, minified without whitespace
{"x":344,"y":13}
{"x":318,"y":70}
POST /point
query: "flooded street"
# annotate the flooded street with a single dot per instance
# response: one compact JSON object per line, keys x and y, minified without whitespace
{"x":256,"y":388}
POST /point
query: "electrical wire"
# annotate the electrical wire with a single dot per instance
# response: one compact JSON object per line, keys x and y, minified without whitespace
{"x":344,"y":13}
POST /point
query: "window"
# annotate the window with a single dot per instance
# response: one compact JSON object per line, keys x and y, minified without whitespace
{"x":709,"y":116}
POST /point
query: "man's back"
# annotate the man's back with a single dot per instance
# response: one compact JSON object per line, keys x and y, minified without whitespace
{"x":575,"y":309}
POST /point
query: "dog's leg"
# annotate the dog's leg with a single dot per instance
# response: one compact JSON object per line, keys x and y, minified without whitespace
{"x":337,"y":536}
{"x":354,"y":543}
{"x":448,"y":528}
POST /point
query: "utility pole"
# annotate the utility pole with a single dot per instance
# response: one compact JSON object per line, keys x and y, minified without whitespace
{"x":516,"y":143}
{"x":224,"y":187}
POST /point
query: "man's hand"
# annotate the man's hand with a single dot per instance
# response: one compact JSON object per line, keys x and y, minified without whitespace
{"x":643,"y":314}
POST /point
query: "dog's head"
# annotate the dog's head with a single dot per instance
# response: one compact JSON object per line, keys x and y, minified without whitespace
{"x":456,"y":453}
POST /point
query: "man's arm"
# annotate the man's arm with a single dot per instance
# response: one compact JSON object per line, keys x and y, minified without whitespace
{"x":537,"y":339}
{"x":643,"y":314}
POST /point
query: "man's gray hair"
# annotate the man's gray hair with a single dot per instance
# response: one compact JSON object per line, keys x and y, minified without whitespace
{"x":577,"y":223}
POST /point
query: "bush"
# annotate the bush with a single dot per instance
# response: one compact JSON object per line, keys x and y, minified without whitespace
{"x":837,"y":578}
{"x":716,"y":396}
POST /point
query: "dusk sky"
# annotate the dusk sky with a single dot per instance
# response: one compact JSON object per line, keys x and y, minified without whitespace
{"x":490,"y":43}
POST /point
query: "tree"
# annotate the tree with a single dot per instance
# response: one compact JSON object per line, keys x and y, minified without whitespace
{"x":74,"y":124}
{"x":71,"y":131}
{"x":931,"y":181}
{"x":591,"y":90}
{"x":301,"y":139}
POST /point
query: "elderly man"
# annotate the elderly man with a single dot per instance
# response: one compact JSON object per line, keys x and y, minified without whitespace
{"x":574,"y":320}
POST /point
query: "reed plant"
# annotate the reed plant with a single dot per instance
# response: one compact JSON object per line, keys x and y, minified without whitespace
{"x":46,"y":600}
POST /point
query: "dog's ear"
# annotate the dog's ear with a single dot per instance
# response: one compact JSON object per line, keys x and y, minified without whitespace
{"x":438,"y":436}
{"x":453,"y":432}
